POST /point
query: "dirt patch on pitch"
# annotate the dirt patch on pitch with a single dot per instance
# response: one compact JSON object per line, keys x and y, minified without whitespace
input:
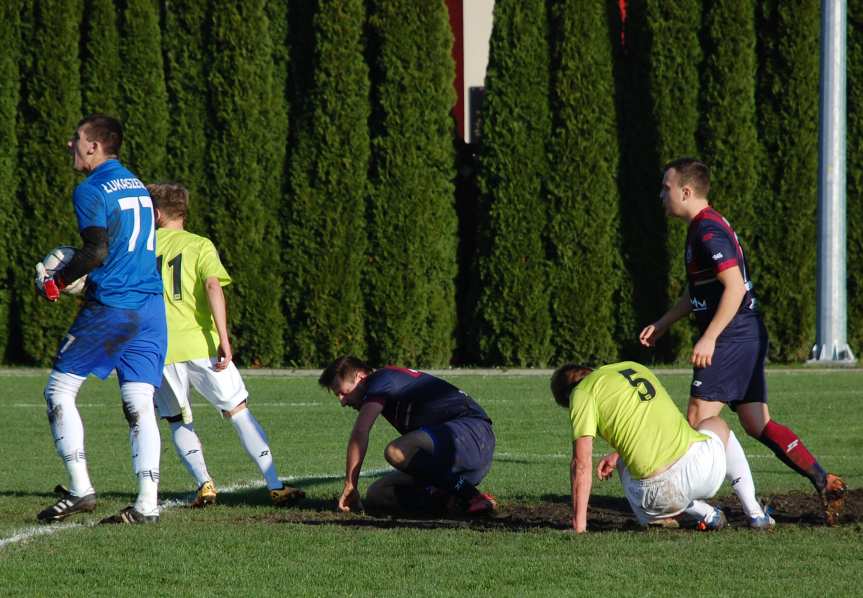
{"x":553,"y":512}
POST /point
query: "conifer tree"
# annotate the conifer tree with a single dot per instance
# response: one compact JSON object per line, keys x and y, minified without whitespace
{"x":583,"y":194}
{"x":513,"y":324}
{"x":325,"y":243}
{"x":10,"y":24}
{"x":184,"y":45}
{"x":675,"y":55}
{"x":100,"y":61}
{"x":786,"y":237}
{"x":145,"y":99}
{"x":49,"y":110}
{"x":243,"y":219}
{"x":728,"y":125}
{"x":409,"y":281}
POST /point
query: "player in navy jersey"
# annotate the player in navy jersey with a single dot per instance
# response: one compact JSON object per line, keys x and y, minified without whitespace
{"x":120,"y":327}
{"x":728,"y":358}
{"x":446,"y":443}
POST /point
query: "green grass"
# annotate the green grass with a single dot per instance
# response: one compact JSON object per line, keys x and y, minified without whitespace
{"x":241,"y":547}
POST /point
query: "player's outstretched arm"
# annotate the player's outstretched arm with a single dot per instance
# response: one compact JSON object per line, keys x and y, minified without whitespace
{"x":652,"y":332}
{"x":358,"y":444}
{"x":581,"y":472}
{"x":216,"y":299}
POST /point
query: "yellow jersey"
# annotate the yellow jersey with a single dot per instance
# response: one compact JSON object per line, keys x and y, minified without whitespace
{"x":627,"y":406}
{"x":186,"y":261}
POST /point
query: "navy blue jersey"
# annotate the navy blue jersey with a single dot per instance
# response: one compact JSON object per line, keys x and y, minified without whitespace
{"x":711,"y":247}
{"x":112,"y":198}
{"x":413,"y":399}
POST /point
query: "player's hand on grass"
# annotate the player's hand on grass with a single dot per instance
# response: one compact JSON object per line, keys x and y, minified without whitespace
{"x":606,"y":466}
{"x":650,"y":334}
{"x":350,"y":501}
{"x":702,"y":352}
{"x":45,"y":284}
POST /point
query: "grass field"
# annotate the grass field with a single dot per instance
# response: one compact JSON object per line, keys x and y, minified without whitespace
{"x":243,"y":546}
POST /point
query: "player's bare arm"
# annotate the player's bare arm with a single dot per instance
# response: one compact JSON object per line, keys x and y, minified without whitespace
{"x":729,"y":303}
{"x":651,"y":333}
{"x":607,"y":465}
{"x":581,"y":475}
{"x":358,"y":444}
{"x":216,"y":299}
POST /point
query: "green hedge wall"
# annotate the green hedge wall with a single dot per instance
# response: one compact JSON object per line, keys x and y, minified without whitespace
{"x":100,"y":58}
{"x":184,"y":44}
{"x":49,"y":109}
{"x":240,"y":166}
{"x":409,"y":281}
{"x":854,"y":158}
{"x":675,"y":55}
{"x":583,"y":196}
{"x":326,"y":238}
{"x":10,"y":26}
{"x":513,"y":323}
{"x":145,"y":98}
{"x":317,"y":140}
{"x":786,"y":239}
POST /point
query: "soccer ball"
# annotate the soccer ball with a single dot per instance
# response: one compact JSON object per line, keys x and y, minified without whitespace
{"x":56,"y":260}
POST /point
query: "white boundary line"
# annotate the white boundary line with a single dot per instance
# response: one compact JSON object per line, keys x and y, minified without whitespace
{"x":27,"y":533}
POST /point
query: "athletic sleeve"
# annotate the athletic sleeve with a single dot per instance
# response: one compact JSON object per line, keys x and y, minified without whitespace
{"x":719,"y":246}
{"x":209,"y":264}
{"x":89,"y":208}
{"x":582,"y":414}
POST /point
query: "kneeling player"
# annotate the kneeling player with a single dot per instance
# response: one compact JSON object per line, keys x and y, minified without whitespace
{"x":666,"y":467}
{"x":199,"y":349}
{"x":446,"y":443}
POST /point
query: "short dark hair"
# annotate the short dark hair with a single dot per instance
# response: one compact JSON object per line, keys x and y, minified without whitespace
{"x":105,"y":129}
{"x":172,"y":199}
{"x":692,"y":172}
{"x":565,"y":379}
{"x":340,"y":369}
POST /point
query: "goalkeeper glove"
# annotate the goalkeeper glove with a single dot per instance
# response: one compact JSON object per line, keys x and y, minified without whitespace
{"x":48,"y":286}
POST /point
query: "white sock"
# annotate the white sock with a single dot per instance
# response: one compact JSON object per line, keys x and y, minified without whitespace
{"x":738,"y":473}
{"x":147,"y":502}
{"x":699,"y":510}
{"x":145,"y":442}
{"x":67,"y":429}
{"x":254,"y":440}
{"x":189,"y":450}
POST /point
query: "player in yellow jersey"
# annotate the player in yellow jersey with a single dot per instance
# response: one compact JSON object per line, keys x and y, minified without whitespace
{"x":666,"y":467}
{"x":199,"y":349}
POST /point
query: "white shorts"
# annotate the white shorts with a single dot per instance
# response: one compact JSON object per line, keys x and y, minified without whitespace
{"x":225,"y":389}
{"x":697,"y":474}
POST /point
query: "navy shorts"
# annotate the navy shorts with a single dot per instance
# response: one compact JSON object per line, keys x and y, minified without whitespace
{"x":736,"y":375}
{"x":103,"y":338}
{"x":467,"y":444}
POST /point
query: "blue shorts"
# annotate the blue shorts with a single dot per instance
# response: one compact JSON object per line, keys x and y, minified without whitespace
{"x":736,"y":375}
{"x":467,"y":444}
{"x":103,"y":338}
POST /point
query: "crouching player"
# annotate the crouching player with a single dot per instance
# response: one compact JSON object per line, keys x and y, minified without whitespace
{"x":666,"y":467}
{"x":446,"y":443}
{"x":199,"y":349}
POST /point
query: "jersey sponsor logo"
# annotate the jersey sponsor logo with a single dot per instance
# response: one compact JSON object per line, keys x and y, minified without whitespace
{"x":122,"y":185}
{"x":698,"y":305}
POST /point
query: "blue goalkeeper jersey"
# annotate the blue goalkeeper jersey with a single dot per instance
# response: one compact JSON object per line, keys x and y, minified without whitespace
{"x":113,"y":198}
